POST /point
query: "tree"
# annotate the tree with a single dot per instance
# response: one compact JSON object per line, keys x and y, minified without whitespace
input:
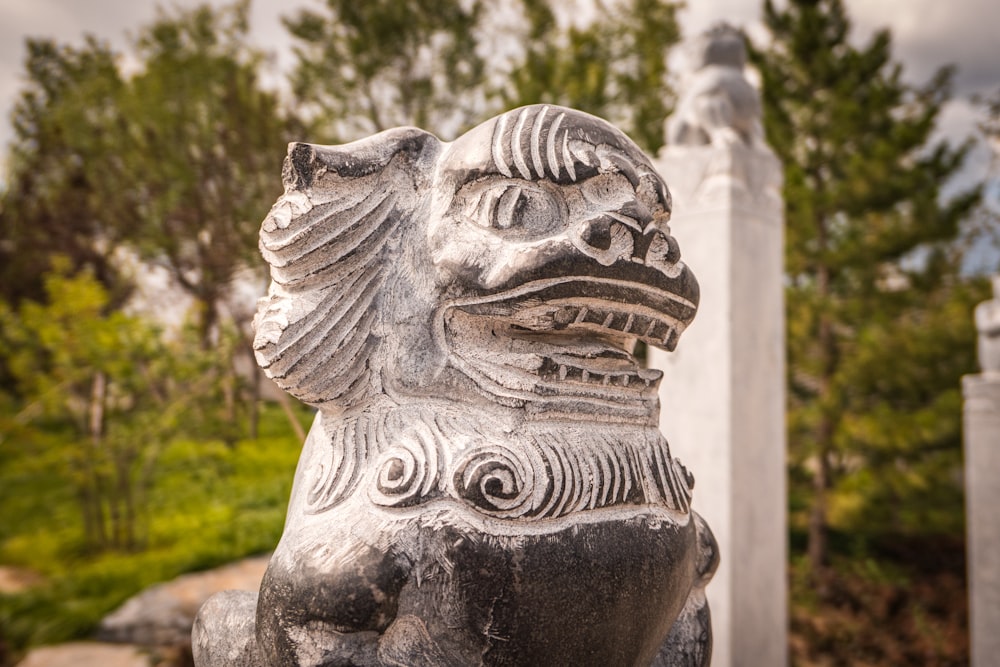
{"x":203,"y":147}
{"x":989,"y":216}
{"x":615,"y":66}
{"x":364,"y":67}
{"x":109,"y":386}
{"x":64,"y":194}
{"x":879,"y":330}
{"x":179,"y":162}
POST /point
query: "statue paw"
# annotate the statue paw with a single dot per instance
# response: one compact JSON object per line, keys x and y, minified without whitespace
{"x":224,"y":633}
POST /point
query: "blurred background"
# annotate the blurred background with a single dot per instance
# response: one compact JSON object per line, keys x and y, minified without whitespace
{"x":142,"y":146}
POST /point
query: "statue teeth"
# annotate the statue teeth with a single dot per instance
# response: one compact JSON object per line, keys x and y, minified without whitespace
{"x":606,"y":380}
{"x":649,"y":329}
{"x":562,"y":372}
{"x":625,"y":380}
{"x":608,"y":320}
{"x":628,"y":323}
{"x":670,"y":332}
{"x":581,"y":315}
{"x":586,"y":375}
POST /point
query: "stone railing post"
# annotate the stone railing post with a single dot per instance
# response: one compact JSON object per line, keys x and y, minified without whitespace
{"x":723,"y":391}
{"x":982,"y":485}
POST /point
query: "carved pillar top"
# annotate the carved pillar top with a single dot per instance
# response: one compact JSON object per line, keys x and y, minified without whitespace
{"x":988,"y":324}
{"x":718,"y":106}
{"x":715,"y":154}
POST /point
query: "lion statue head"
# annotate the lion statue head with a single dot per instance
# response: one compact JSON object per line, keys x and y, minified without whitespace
{"x":516,"y":266}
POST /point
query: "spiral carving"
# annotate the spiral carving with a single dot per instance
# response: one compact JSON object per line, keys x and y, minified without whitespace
{"x":407,"y":472}
{"x":500,"y":482}
{"x":536,"y":475}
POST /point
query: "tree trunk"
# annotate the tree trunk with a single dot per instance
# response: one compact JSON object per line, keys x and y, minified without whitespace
{"x":817,"y":516}
{"x":818,"y":528}
{"x":95,"y":426}
{"x":254,"y":397}
{"x":286,"y":407}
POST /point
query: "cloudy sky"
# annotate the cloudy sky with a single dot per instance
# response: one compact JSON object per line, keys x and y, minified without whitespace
{"x":927,"y":34}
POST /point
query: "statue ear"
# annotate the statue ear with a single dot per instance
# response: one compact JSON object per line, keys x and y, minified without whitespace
{"x":325,"y":239}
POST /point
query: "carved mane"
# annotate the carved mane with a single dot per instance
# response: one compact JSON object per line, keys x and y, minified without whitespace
{"x":318,"y":334}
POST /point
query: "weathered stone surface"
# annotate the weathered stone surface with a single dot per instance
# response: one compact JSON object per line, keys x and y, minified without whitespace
{"x":162,"y":615}
{"x":485,"y":482}
{"x":988,"y":325}
{"x":717,"y":105}
{"x":86,"y":654}
{"x":723,"y":391}
{"x":982,"y":491}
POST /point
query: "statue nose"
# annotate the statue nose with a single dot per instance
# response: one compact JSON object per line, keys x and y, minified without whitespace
{"x":609,"y":240}
{"x":300,"y":165}
{"x":662,"y":253}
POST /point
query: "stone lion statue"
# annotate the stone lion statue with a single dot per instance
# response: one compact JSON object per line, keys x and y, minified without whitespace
{"x":988,"y":325}
{"x":717,"y":105}
{"x":484,"y":482}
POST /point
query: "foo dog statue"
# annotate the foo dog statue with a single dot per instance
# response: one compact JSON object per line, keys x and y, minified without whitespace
{"x":484,"y":483}
{"x":988,"y":325}
{"x":718,"y":106}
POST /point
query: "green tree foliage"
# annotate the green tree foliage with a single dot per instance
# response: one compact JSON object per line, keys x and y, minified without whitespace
{"x":180,"y":162}
{"x":364,"y":67}
{"x":990,"y":214}
{"x":203,"y":148}
{"x":879,"y":324}
{"x":445,"y":66}
{"x":63,"y":193}
{"x":614,"y":66}
{"x":110,"y":386}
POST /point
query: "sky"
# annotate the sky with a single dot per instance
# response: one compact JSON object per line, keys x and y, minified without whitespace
{"x":926,"y":34}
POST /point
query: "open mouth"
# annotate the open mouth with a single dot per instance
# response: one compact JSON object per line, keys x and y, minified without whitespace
{"x":566,"y":341}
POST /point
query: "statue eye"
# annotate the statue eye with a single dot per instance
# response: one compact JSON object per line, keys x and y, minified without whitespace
{"x":522,"y":207}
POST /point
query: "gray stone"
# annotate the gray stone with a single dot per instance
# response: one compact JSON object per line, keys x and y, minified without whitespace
{"x":723,"y":391}
{"x":988,"y":325}
{"x":982,"y":490}
{"x":484,"y":482}
{"x":162,"y":615}
{"x":717,"y":105}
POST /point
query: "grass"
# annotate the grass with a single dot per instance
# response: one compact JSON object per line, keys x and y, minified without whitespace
{"x":209,"y":504}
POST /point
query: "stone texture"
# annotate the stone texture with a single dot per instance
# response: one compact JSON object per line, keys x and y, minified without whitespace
{"x":982,"y":490}
{"x":723,"y":391}
{"x":484,"y":482}
{"x":717,"y":106}
{"x":988,"y":326}
{"x":162,"y":615}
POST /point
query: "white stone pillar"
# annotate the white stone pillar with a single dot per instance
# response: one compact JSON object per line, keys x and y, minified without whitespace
{"x":982,"y":486}
{"x":723,"y":392}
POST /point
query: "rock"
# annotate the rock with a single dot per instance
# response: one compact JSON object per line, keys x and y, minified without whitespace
{"x":162,"y":615}
{"x":86,"y":654}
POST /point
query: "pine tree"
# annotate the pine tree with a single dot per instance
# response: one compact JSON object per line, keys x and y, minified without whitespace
{"x":203,"y":147}
{"x":879,"y":330}
{"x":364,"y":67}
{"x":62,"y":193}
{"x":615,"y":66}
{"x":448,"y":65}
